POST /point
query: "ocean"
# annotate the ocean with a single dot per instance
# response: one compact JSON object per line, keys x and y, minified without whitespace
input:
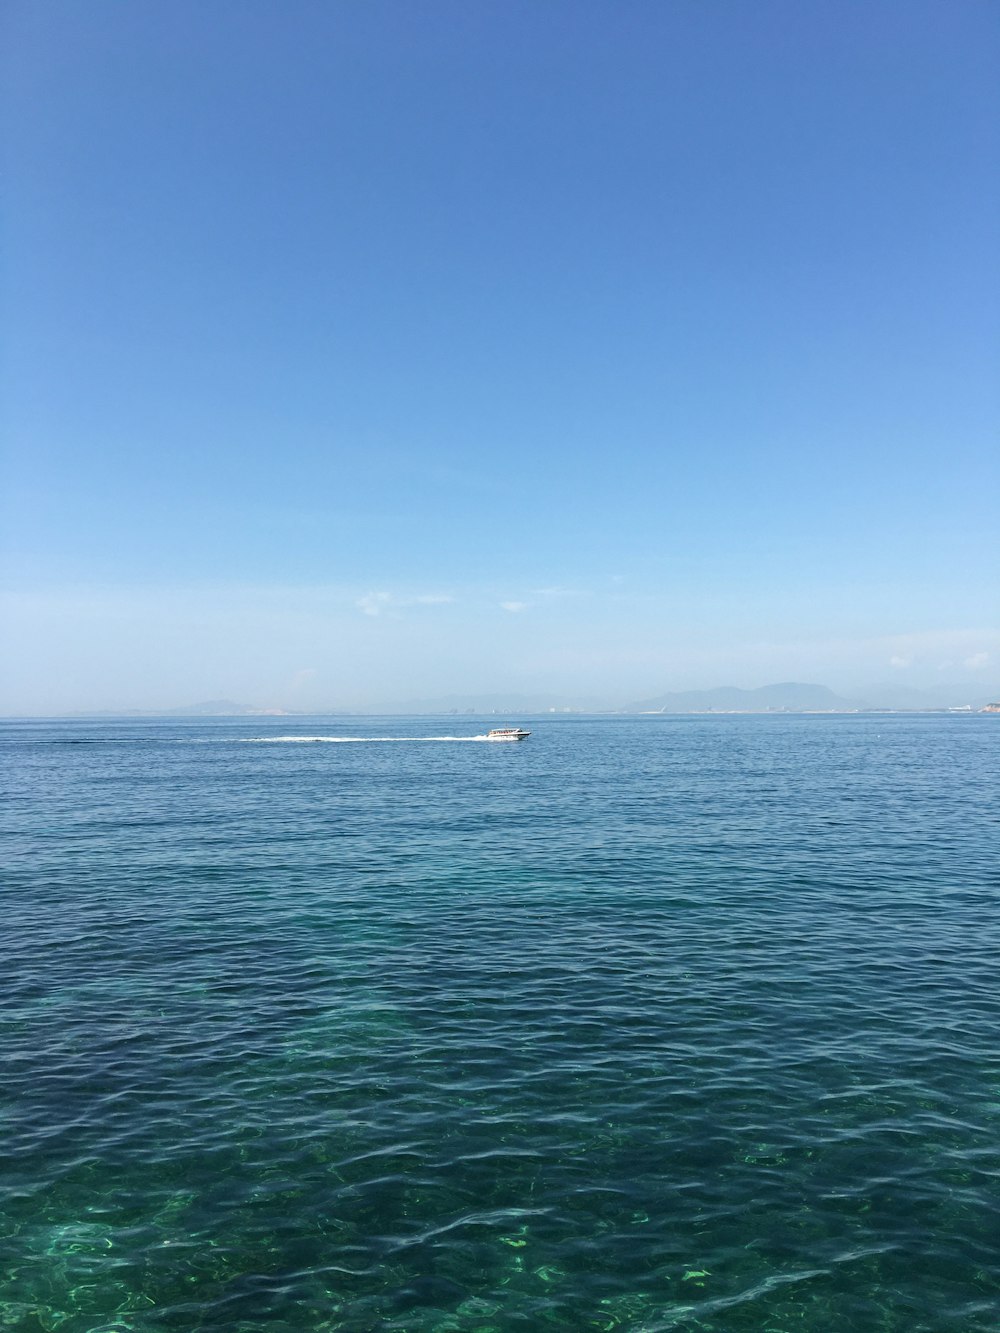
{"x":661,"y":1023}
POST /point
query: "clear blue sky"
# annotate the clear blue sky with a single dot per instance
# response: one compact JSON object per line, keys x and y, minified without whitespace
{"x":367,"y":350}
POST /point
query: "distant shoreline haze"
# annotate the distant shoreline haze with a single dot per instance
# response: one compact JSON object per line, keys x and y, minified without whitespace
{"x":786,"y":697}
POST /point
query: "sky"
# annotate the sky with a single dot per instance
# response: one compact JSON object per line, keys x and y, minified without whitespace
{"x":367,"y":352}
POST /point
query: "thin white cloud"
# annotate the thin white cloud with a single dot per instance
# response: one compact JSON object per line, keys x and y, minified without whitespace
{"x":514,"y":606}
{"x":977,"y":661}
{"x":900,"y":662}
{"x":373,"y":603}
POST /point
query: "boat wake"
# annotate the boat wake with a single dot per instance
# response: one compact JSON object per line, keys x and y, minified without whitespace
{"x":349,"y":740}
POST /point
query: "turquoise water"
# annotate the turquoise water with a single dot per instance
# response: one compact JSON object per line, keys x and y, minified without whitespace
{"x":642,"y":1024}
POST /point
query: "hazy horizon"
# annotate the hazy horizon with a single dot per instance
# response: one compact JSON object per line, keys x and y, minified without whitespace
{"x":364,"y":353}
{"x":954,"y":692}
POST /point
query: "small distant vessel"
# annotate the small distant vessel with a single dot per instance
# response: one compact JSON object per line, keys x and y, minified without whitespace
{"x":508,"y":734}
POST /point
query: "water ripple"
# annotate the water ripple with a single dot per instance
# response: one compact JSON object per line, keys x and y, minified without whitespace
{"x":672,"y":1024}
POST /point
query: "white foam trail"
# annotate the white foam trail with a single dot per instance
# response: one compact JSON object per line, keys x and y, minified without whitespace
{"x":349,"y":740}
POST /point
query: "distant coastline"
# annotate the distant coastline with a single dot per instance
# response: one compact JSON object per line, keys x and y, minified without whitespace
{"x":788,"y":698}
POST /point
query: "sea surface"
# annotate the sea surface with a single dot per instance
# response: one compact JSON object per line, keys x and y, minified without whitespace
{"x":644,"y":1024}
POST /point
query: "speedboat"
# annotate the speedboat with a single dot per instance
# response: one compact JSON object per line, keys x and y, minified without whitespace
{"x":508,"y":734}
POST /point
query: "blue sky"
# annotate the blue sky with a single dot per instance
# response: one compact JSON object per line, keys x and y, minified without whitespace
{"x":364,"y":351}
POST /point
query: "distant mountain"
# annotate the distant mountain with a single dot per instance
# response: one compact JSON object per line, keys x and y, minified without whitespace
{"x":791,"y":696}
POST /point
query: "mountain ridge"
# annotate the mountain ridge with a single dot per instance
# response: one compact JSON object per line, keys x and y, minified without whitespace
{"x":786,"y":696}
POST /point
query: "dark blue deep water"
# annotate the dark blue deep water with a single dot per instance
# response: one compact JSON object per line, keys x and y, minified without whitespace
{"x":642,"y":1024}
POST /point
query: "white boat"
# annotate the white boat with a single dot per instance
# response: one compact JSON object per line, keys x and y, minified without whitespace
{"x":508,"y":734}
